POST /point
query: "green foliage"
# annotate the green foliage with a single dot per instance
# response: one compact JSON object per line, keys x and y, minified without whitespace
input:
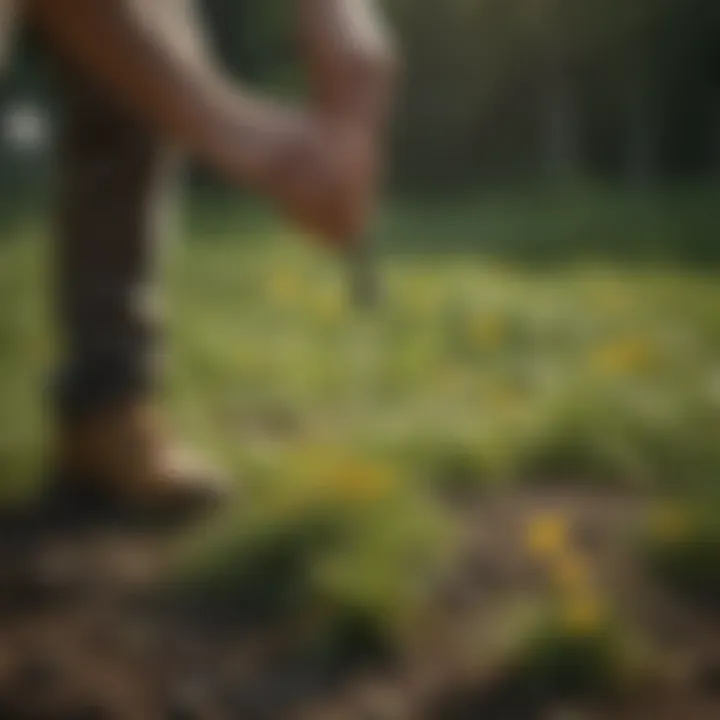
{"x":331,"y":543}
{"x":508,"y":89}
{"x":677,"y":224}
{"x":682,"y":547}
{"x":557,"y":661}
{"x":472,"y":371}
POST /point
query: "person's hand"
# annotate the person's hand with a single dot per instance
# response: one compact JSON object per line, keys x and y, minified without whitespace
{"x":352,"y":65}
{"x":326,"y":179}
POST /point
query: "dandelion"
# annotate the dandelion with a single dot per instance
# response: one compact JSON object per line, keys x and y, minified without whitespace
{"x":547,"y":535}
{"x":571,"y":573}
{"x":284,"y":289}
{"x":623,"y":357}
{"x":669,"y":523}
{"x":335,"y":475}
{"x":507,"y":400}
{"x":583,"y":614}
{"x":488,"y":331}
{"x":329,"y":306}
{"x":362,"y":482}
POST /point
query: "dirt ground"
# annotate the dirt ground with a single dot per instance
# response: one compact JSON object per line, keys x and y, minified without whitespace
{"x":85,"y":635}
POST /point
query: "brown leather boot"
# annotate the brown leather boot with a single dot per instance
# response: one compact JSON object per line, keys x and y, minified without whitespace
{"x":123,"y":457}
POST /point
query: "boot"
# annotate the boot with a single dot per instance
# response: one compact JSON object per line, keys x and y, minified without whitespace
{"x":122,"y":457}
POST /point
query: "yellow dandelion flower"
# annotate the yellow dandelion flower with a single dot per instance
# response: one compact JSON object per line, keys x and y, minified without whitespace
{"x":335,"y":475}
{"x":669,"y":523}
{"x":583,"y":615}
{"x":284,"y":288}
{"x":546,"y":535}
{"x":508,"y":400}
{"x":623,"y":357}
{"x":571,"y":573}
{"x":329,"y":306}
{"x":362,"y":483}
{"x":488,"y":331}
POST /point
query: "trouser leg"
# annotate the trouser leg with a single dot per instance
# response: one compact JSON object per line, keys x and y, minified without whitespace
{"x":116,"y":183}
{"x":115,"y":176}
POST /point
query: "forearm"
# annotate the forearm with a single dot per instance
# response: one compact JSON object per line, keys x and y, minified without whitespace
{"x":186,"y":101}
{"x":349,"y":54}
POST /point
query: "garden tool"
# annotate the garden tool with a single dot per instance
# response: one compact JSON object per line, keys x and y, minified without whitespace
{"x":364,"y":283}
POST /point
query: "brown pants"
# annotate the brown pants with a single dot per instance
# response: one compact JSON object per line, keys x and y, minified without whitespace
{"x":115,"y":185}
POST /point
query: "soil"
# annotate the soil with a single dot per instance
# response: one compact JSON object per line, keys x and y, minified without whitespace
{"x":85,"y":634}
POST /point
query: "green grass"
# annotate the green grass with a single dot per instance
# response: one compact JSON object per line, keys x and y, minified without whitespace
{"x":672,"y":224}
{"x":681,"y":542}
{"x":343,"y":425}
{"x":472,"y":370}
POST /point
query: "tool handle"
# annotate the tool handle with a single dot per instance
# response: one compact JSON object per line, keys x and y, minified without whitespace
{"x":361,"y":258}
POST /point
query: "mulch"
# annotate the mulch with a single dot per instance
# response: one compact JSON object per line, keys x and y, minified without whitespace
{"x":88,"y":631}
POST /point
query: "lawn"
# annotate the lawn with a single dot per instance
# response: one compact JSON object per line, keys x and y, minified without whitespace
{"x":529,"y":399}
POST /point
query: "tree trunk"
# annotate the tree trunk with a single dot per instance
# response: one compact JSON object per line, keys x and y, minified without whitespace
{"x":640,"y":143}
{"x":561,"y":126}
{"x":714,"y":154}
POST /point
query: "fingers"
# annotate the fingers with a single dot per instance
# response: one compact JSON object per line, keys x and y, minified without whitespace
{"x":328,"y":183}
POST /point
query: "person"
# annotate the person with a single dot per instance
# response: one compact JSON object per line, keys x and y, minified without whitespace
{"x":138,"y":82}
